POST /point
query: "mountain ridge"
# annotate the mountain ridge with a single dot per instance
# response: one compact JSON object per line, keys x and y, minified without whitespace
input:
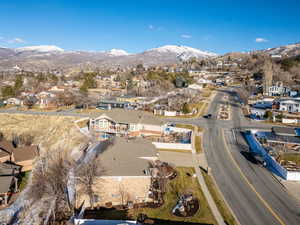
{"x":51,"y":57}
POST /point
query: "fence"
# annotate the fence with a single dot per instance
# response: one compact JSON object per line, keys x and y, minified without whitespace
{"x":175,"y":146}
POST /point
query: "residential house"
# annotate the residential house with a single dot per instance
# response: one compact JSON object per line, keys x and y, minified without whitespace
{"x":125,"y":122}
{"x":128,"y":98}
{"x":278,"y":90}
{"x":204,"y":81}
{"x":14,"y":101}
{"x":22,"y":156}
{"x":276,"y":56}
{"x":113,"y":104}
{"x":6,"y":151}
{"x":126,"y":176}
{"x":8,"y":181}
{"x":58,"y":89}
{"x":291,"y":105}
{"x":25,"y":156}
{"x":46,"y":99}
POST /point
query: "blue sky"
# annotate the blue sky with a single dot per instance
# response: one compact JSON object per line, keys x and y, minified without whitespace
{"x":135,"y":25}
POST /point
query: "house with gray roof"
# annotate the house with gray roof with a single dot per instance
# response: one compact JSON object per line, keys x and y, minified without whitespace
{"x":126,"y":122}
{"x":126,"y":174}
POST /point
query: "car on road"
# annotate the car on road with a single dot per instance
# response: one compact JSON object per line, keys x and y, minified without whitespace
{"x":207,"y":116}
{"x":171,"y":124}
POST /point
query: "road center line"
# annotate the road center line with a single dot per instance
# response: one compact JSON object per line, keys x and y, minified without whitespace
{"x":248,"y":182}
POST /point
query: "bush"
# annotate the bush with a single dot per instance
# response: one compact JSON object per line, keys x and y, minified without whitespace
{"x":8,"y":91}
{"x":186,"y":108}
{"x":268,"y":115}
{"x":22,"y":140}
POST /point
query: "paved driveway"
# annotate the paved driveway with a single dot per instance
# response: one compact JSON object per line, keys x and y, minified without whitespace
{"x":176,"y":158}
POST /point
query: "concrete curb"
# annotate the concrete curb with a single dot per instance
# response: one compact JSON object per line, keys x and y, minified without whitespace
{"x":215,"y":211}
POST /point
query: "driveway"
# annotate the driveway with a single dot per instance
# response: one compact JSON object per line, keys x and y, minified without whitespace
{"x":180,"y":159}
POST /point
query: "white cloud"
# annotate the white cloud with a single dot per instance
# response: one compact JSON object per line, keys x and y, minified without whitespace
{"x":260,"y":40}
{"x":151,"y":27}
{"x":186,"y":36}
{"x":155,"y":28}
{"x":16,"y":41}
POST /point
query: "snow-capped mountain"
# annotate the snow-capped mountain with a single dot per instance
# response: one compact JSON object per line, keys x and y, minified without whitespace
{"x":117,"y":52}
{"x":40,"y":48}
{"x":184,"y":52}
{"x":51,"y":57}
{"x":288,"y":50}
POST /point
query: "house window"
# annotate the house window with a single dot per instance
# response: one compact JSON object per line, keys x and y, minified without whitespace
{"x":132,"y":127}
{"x":115,"y":195}
{"x":297,"y":105}
{"x":101,"y":123}
{"x":96,"y":198}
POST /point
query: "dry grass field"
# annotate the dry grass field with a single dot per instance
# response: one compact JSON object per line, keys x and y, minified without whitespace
{"x":50,"y":132}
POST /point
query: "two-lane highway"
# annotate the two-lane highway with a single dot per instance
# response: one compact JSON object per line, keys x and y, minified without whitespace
{"x":253,"y":194}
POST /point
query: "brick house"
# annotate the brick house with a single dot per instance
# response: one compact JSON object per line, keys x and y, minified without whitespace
{"x":126,"y":177}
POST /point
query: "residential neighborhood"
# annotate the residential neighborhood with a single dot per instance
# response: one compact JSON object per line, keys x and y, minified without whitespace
{"x":149,"y":113}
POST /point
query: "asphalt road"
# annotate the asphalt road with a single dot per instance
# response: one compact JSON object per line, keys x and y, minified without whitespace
{"x":252,"y":192}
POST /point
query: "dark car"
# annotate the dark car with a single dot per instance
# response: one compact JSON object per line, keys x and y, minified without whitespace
{"x":80,"y":106}
{"x":207,"y":116}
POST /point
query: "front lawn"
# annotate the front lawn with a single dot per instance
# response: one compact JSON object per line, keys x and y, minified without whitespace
{"x":183,"y":183}
{"x":198,"y":144}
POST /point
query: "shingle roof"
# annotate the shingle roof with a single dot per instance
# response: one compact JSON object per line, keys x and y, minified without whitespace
{"x":6,"y":176}
{"x":7,"y":146}
{"x":133,"y":116}
{"x":284,"y":130}
{"x":123,"y":157}
{"x":25,"y":153}
{"x":5,"y":183}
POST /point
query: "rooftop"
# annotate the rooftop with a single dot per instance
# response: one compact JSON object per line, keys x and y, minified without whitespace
{"x":25,"y":153}
{"x":291,"y":131}
{"x":6,"y":146}
{"x":5,"y":183}
{"x":124,"y":158}
{"x":6,"y":176}
{"x":132,"y":116}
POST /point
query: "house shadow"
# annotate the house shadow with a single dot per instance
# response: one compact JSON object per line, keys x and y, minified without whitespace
{"x":106,"y":213}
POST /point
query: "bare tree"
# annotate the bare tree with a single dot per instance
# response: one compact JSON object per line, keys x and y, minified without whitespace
{"x":87,"y":174}
{"x":124,"y":194}
{"x":29,"y":101}
{"x":66,"y":98}
{"x":25,"y":139}
{"x":50,"y":180}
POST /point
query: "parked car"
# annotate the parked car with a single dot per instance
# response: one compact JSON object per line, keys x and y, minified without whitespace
{"x":80,"y":106}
